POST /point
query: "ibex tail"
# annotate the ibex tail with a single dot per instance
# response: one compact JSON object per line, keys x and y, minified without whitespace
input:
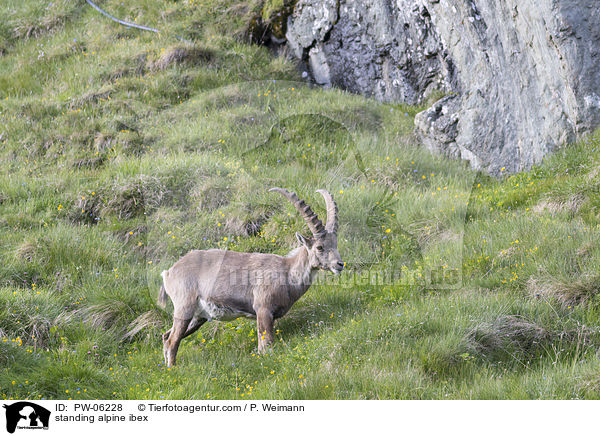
{"x":162,"y":295}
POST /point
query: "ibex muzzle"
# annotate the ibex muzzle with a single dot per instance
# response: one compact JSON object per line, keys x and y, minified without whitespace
{"x":207,"y":285}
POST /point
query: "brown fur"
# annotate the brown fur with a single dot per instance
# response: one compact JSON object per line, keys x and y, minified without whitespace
{"x":223,"y":285}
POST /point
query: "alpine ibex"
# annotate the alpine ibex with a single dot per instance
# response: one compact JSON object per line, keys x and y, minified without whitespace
{"x":223,"y":285}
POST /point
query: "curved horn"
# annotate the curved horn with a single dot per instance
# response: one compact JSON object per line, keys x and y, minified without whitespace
{"x":332,"y":211}
{"x":312,"y":220}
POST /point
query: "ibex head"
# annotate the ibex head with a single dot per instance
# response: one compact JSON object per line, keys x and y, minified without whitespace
{"x":322,"y":246}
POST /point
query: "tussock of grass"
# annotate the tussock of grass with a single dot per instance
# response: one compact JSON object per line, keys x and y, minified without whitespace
{"x":250,"y":226}
{"x":148,"y":322}
{"x":92,"y":97}
{"x":181,"y":55}
{"x":571,"y":205}
{"x":42,"y":18}
{"x":568,"y":292}
{"x":31,"y":320}
{"x":111,"y":314}
{"x":28,"y":251}
{"x":89,"y":163}
{"x":510,"y":335}
{"x":212,"y":194}
{"x":129,"y":198}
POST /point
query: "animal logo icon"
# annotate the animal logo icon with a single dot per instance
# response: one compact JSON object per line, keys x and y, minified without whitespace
{"x":26,"y":415}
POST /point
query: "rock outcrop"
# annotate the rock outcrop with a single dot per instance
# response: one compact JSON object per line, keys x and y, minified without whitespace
{"x":521,"y":77}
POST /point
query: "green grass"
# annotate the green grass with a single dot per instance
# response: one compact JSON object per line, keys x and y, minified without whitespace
{"x":121,"y":150}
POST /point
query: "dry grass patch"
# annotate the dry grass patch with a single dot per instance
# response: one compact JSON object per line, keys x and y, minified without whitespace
{"x":149,"y":321}
{"x":568,"y":293}
{"x":134,"y":197}
{"x":432,"y":230}
{"x":103,"y":141}
{"x":181,"y":54}
{"x":89,"y":163}
{"x":92,"y":97}
{"x":50,"y":20}
{"x":110,"y":314}
{"x":571,"y":205}
{"x":29,"y":251}
{"x":250,"y":226}
{"x":125,"y":199}
{"x":508,"y":334}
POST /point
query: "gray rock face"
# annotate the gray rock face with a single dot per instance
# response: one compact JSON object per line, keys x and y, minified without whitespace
{"x":524,"y":75}
{"x":388,"y":51}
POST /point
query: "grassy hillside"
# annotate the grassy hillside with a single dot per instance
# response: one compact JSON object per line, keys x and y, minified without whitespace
{"x":121,"y":150}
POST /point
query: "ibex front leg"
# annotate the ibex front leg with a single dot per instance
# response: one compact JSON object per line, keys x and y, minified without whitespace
{"x":264,"y":322}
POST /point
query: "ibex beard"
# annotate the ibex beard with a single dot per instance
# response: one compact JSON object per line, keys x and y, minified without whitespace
{"x":222,"y":285}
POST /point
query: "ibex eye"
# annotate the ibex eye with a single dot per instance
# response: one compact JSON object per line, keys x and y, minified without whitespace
{"x":319,"y":248}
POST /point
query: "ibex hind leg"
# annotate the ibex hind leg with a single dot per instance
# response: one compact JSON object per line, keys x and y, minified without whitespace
{"x":171,"y":344}
{"x":165,"y":337}
{"x":195,"y":324}
{"x":193,"y":327}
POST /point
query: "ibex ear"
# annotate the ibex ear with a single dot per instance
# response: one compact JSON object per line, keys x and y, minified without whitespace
{"x":303,"y":240}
